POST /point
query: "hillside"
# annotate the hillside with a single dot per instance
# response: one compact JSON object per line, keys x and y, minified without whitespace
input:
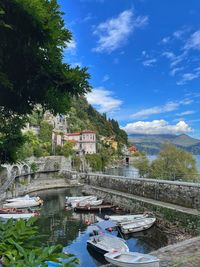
{"x":151,"y":144}
{"x":83,"y":116}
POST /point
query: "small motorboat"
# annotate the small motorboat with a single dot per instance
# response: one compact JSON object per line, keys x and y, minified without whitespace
{"x":126,"y":218}
{"x":107,"y":243}
{"x":131,"y":259}
{"x":79,"y":198}
{"x":26,"y":197}
{"x":12,"y":213}
{"x":90,"y":203}
{"x":98,"y":208}
{"x":23,"y":204}
{"x":137,"y":225}
{"x":74,"y":202}
{"x":16,"y":216}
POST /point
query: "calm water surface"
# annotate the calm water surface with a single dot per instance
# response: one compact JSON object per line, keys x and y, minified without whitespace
{"x":68,"y":228}
{"x":130,"y":171}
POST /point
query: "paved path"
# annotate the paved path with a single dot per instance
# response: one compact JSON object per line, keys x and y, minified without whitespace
{"x":149,"y":201}
{"x":182,"y":254}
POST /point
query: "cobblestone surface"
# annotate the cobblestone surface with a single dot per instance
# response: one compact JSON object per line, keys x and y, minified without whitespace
{"x":182,"y":254}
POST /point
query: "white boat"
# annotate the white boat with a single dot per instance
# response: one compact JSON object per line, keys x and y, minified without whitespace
{"x":90,"y":203}
{"x":79,"y":198}
{"x":106,"y":243}
{"x":137,"y":226}
{"x":76,"y":202}
{"x":23,"y":204}
{"x":126,"y":218}
{"x":16,"y":216}
{"x":131,"y":259}
{"x":26,"y":197}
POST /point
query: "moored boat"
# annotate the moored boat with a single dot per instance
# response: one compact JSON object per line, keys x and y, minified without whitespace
{"x":26,"y":216}
{"x":23,"y":204}
{"x":90,"y":203}
{"x":132,"y":259}
{"x":98,"y":208}
{"x":106,"y":243}
{"x":126,"y":218}
{"x":26,"y":197}
{"x":137,"y":226}
{"x":78,"y":198}
{"x":74,"y":202}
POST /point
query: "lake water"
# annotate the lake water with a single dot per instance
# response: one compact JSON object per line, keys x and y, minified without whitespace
{"x":130,"y":171}
{"x":68,"y":228}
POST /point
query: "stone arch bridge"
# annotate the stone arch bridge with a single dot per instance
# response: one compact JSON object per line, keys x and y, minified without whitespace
{"x":11,"y":175}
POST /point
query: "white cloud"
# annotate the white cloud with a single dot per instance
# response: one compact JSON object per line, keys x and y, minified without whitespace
{"x":179,"y":34}
{"x":166,"y":40}
{"x":103,"y":99}
{"x":114,"y":32}
{"x":145,"y":113}
{"x":71,"y":47}
{"x":149,"y":62}
{"x":106,"y":78}
{"x":193,"y":42}
{"x":188,"y":77}
{"x":175,"y":60}
{"x":76,"y":64}
{"x":157,"y":127}
{"x":185,"y":113}
{"x":174,"y":71}
{"x":168,"y":107}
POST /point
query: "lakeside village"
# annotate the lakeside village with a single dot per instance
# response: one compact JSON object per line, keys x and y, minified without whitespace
{"x":83,"y":143}
{"x":105,"y":212}
{"x":58,"y":207}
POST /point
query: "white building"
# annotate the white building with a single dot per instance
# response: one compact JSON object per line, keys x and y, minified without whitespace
{"x":84,"y":141}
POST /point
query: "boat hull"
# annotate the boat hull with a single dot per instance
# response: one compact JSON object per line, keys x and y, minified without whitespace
{"x":22,"y":204}
{"x":115,"y":259}
{"x":136,"y":227}
{"x":16,"y":216}
{"x":107,"y":243}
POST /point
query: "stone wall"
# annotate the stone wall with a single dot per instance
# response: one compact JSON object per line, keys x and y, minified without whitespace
{"x":51,"y":163}
{"x":179,"y":193}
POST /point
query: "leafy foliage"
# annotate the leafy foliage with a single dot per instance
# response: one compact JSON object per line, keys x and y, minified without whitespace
{"x":31,"y":68}
{"x":32,"y":72}
{"x":18,"y":246}
{"x":10,"y":135}
{"x":172,"y":163}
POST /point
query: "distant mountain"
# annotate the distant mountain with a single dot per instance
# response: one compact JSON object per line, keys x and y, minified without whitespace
{"x":151,"y":144}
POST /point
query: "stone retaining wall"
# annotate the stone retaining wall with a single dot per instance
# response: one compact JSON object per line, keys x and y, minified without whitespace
{"x":179,"y":193}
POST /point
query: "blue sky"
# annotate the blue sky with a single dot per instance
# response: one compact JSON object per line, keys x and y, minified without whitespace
{"x":143,"y":57}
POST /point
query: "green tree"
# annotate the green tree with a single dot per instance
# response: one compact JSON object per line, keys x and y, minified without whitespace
{"x":67,"y":149}
{"x":173,"y":163}
{"x":32,"y":70}
{"x":143,"y":165}
{"x":31,"y":52}
{"x":45,"y":133}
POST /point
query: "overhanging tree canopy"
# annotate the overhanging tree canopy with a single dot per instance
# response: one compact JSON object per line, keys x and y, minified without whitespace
{"x":33,"y":38}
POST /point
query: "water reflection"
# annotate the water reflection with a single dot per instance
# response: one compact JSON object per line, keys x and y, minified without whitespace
{"x":57,"y":225}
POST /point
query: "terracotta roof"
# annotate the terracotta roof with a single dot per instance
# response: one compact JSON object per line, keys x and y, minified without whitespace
{"x":87,"y":131}
{"x":72,"y":134}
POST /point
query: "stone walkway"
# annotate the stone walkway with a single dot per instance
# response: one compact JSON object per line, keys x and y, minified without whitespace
{"x":149,"y":201}
{"x":182,"y":254}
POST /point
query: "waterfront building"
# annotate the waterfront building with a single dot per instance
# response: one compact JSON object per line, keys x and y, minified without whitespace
{"x":84,"y":141}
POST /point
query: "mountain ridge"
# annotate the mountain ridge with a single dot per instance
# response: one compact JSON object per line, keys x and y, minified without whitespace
{"x":151,"y":144}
